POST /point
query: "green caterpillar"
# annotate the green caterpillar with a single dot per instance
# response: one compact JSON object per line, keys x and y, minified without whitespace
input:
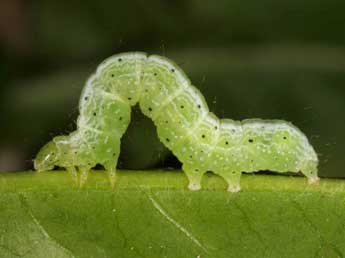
{"x":199,"y":139}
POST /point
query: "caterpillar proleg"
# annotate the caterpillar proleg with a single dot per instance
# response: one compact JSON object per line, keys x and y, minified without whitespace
{"x":199,"y":139}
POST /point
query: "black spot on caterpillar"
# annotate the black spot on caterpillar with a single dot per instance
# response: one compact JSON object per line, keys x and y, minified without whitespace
{"x":226,"y":147}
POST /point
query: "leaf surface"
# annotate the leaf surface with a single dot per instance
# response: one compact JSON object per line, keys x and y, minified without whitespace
{"x":152,"y":214}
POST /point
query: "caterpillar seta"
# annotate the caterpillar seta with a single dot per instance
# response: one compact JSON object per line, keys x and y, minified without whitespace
{"x":198,"y":138}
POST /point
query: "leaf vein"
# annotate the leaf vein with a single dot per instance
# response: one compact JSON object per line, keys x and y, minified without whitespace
{"x":41,"y":228}
{"x":175,"y":223}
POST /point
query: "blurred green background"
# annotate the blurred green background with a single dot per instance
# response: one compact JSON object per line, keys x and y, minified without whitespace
{"x":266,"y":59}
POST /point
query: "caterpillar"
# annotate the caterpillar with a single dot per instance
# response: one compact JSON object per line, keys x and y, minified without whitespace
{"x":197,"y":137}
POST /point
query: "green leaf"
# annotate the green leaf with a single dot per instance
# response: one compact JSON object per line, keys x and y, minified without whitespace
{"x":151,"y":214}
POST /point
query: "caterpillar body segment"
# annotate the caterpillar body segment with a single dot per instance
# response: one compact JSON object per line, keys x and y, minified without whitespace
{"x":198,"y":138}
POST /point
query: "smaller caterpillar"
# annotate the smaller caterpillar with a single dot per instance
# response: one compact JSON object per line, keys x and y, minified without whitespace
{"x":199,"y":139}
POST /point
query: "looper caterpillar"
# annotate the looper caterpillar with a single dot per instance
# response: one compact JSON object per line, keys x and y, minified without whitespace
{"x":199,"y":139}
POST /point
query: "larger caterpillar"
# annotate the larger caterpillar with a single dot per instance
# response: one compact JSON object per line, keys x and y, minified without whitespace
{"x":198,"y":138}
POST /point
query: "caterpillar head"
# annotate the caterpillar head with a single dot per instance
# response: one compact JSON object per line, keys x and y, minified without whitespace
{"x":47,"y":157}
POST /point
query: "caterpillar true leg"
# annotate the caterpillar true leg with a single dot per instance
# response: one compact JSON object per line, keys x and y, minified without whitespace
{"x":73,"y":172}
{"x":84,"y":173}
{"x":111,"y":170}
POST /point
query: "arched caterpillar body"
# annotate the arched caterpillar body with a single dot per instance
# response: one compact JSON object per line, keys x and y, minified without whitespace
{"x":198,"y":138}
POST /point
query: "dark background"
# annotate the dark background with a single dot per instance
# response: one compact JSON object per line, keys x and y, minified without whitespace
{"x":266,"y":59}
